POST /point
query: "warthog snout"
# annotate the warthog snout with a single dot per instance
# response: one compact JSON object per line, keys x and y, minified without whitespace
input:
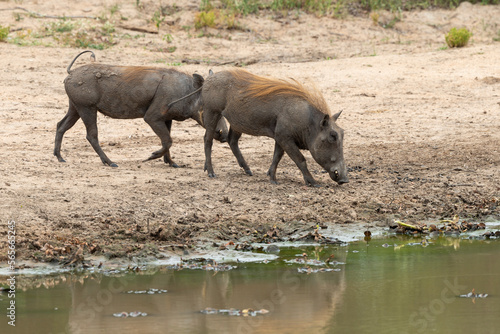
{"x":339,"y":177}
{"x":221,"y":136}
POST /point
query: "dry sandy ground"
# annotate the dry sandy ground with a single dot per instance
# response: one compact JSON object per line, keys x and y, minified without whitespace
{"x":422,"y":132}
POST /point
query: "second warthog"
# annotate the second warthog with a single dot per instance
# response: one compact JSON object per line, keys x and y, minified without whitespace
{"x":127,"y":92}
{"x":297,"y":118}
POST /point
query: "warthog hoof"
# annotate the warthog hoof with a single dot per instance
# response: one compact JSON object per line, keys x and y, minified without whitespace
{"x":313,"y":184}
{"x":153,"y":156}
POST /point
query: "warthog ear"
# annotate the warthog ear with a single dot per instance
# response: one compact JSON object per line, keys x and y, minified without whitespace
{"x":198,"y":80}
{"x":337,"y":115}
{"x":210,"y":72}
{"x":324,"y":121}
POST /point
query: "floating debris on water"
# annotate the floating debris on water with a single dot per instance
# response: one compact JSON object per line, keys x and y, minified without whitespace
{"x":473,"y":294}
{"x":149,"y":291}
{"x":304,"y":259}
{"x":272,"y":249}
{"x":309,"y":270}
{"x":423,"y":243}
{"x":491,"y":234}
{"x":450,"y":227}
{"x":133,"y":314}
{"x":318,"y":237}
{"x":201,"y":264}
{"x":248,"y":312}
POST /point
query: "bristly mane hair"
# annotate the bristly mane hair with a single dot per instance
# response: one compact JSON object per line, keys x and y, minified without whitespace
{"x":133,"y":71}
{"x":262,"y":88}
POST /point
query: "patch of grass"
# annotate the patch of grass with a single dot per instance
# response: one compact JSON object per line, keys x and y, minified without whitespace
{"x":216,"y":18}
{"x":392,"y":5}
{"x":79,"y":34}
{"x":114,"y":9}
{"x":108,"y":28}
{"x":22,"y":38}
{"x":18,"y":17}
{"x":61,"y":26}
{"x":497,"y":38}
{"x":158,"y":18}
{"x":318,"y":7}
{"x":164,"y":61}
{"x":204,"y":19}
{"x":206,"y":5}
{"x":4,"y":32}
{"x":374,"y":16}
{"x":457,"y":38}
{"x":243,"y":7}
{"x":335,"y":8}
{"x":86,"y":41}
{"x":168,"y":38}
{"x":395,"y":19}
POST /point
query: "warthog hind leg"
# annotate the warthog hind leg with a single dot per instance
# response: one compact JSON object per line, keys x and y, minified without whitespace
{"x":64,"y":125}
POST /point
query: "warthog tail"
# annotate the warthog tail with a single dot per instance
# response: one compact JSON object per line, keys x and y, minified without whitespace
{"x":92,"y":56}
{"x":182,"y":98}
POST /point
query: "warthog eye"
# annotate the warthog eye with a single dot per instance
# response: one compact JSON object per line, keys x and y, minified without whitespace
{"x":333,"y":137}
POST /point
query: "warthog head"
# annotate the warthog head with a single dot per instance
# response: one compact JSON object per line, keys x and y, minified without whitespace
{"x":327,"y":149}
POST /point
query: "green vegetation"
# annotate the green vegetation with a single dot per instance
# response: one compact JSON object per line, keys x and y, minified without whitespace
{"x":244,"y":7}
{"x":164,"y":61}
{"x":4,"y":32}
{"x":158,"y":19}
{"x":113,"y":9}
{"x":204,"y":19}
{"x":216,"y":18}
{"x":497,"y":38}
{"x":222,"y":14}
{"x":392,"y":5}
{"x":78,"y":34}
{"x":225,"y":13}
{"x":60,"y":26}
{"x":457,"y":38}
{"x":329,"y":7}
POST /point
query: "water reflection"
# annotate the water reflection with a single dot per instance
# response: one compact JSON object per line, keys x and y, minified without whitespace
{"x":393,"y":285}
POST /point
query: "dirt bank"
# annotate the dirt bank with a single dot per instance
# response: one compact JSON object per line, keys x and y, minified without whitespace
{"x":422,"y":133}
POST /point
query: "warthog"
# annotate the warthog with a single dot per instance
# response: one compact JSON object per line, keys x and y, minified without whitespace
{"x":127,"y":92}
{"x":295,"y":117}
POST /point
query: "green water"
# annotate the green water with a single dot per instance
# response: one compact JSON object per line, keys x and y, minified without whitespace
{"x":381,"y":288}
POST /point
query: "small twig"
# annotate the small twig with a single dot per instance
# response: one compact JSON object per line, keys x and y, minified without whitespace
{"x":237,"y":62}
{"x":400,"y":223}
{"x":43,"y":16}
{"x":139,"y":29}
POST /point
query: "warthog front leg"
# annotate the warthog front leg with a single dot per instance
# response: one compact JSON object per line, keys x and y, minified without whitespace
{"x":294,"y":153}
{"x":233,"y":138}
{"x":278,"y":154}
{"x":89,"y":118}
{"x":162,"y":130}
{"x":64,"y":125}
